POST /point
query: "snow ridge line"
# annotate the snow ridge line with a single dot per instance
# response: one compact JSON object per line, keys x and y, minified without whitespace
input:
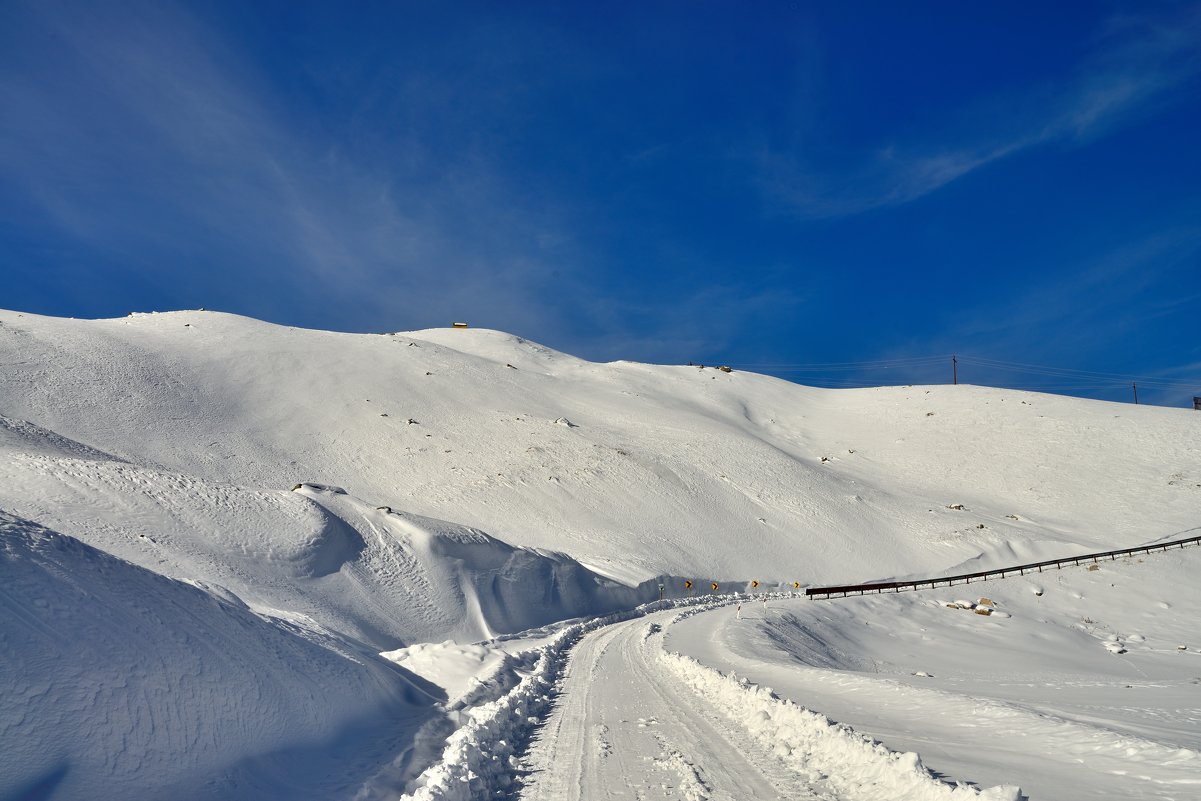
{"x":853,"y":765}
{"x":481,"y":757}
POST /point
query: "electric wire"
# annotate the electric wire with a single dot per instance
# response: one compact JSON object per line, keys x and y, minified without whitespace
{"x":1038,"y":378}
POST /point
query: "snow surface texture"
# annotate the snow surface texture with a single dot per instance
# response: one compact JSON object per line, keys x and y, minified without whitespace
{"x":665,"y":469}
{"x":121,"y":683}
{"x":682,"y":743}
{"x":852,"y":765}
{"x":382,"y":576}
{"x":1030,"y":694}
{"x":482,"y":758}
{"x":208,"y":618}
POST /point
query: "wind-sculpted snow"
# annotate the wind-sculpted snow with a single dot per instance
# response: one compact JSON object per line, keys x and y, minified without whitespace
{"x":21,"y":435}
{"x":316,"y":553}
{"x":852,"y":765}
{"x":120,"y":683}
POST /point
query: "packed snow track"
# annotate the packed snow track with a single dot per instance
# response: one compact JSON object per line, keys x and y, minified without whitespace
{"x":626,"y":728}
{"x":635,"y":721}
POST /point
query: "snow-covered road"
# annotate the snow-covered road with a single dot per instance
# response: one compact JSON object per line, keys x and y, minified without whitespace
{"x":634,"y":720}
{"x":627,"y":728}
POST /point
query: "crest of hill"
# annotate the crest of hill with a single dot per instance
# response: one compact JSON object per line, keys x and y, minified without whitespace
{"x":633,"y":469}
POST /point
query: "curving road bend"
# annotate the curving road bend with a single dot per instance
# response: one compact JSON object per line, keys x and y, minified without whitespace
{"x":625,"y":728}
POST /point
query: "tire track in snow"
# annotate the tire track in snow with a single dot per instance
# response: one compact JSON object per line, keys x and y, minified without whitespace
{"x":663,"y":741}
{"x":614,"y":715}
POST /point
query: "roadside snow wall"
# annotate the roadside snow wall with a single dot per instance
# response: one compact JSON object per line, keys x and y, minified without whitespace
{"x":853,"y":765}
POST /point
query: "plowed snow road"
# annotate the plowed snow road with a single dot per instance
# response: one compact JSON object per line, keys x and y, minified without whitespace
{"x":625,"y":727}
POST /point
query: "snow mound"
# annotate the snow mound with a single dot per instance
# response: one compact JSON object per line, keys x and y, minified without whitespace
{"x":316,"y":553}
{"x":458,"y":669}
{"x":21,"y":435}
{"x":125,"y":682}
{"x":480,"y":758}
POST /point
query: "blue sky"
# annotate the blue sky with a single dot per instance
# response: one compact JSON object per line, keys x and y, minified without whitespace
{"x":876,"y":185}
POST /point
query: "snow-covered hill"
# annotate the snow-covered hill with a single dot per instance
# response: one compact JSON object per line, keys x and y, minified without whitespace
{"x":633,"y":469}
{"x":232,"y":518}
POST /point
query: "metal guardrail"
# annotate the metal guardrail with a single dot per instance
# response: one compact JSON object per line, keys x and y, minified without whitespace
{"x":985,"y":575}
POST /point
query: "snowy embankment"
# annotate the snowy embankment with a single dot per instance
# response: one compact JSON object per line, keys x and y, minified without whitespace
{"x":121,"y":683}
{"x":481,"y":756}
{"x":317,"y":553}
{"x":485,"y":754}
{"x":1082,"y":684}
{"x":854,"y":766}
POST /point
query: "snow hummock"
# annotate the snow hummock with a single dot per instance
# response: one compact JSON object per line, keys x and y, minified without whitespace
{"x":124,"y":683}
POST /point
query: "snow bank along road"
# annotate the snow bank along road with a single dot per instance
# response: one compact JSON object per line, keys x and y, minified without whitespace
{"x":628,"y":719}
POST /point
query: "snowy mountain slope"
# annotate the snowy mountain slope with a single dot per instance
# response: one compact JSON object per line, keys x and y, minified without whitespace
{"x":652,"y":469}
{"x":377,"y":575}
{"x":120,"y":683}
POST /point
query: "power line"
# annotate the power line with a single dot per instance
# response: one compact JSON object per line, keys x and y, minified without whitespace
{"x":1071,"y":379}
{"x":1068,"y":372}
{"x":879,"y":364}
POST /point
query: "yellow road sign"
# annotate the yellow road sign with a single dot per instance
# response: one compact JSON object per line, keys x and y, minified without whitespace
{"x":715,"y":586}
{"x":796,"y":585}
{"x":688,"y":585}
{"x":754,"y":584}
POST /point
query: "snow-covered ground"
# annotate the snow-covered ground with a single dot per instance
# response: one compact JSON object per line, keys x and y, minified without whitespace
{"x":1083,"y":684}
{"x":214,"y":526}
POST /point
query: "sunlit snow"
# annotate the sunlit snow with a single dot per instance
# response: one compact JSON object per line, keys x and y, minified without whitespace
{"x":245,"y":561}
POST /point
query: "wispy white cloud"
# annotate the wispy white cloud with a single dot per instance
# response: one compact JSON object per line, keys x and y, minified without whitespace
{"x":1137,"y":61}
{"x":158,"y":121}
{"x":147,"y":119}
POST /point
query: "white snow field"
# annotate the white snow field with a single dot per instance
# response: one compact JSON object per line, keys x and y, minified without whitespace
{"x":246,"y":561}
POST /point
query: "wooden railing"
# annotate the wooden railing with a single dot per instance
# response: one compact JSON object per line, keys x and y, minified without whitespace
{"x":985,"y":575}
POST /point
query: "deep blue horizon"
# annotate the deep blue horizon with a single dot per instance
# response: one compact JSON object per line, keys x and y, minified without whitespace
{"x":842,"y":196}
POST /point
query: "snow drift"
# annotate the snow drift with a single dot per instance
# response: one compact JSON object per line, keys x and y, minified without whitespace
{"x":121,"y":683}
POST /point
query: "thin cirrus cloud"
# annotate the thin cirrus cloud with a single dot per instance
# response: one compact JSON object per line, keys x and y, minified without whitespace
{"x":151,"y":138}
{"x":1136,"y":61}
{"x":145,"y":135}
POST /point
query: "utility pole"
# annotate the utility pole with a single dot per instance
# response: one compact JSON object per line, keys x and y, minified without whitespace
{"x":1134,"y":386}
{"x":954,"y":370}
